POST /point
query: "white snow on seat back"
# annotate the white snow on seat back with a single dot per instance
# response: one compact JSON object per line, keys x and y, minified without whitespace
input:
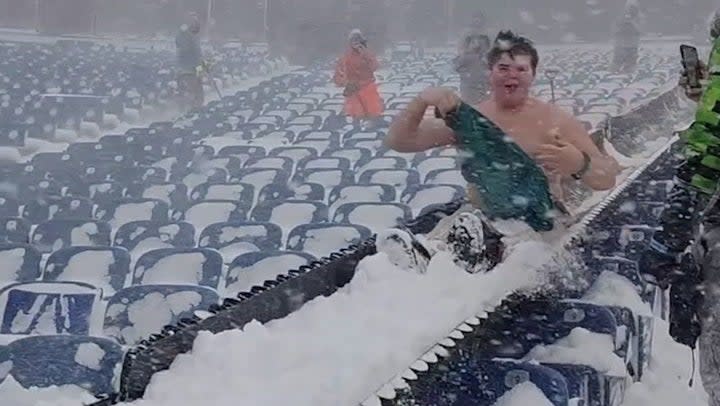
{"x":224,"y":192}
{"x":89,"y":355}
{"x":379,"y":163}
{"x":352,"y":154}
{"x":449,"y":177}
{"x":263,"y":270}
{"x":159,"y":192}
{"x":524,"y":394}
{"x":376,"y":217}
{"x":176,"y":269}
{"x":357,"y":194}
{"x":268,"y":162}
{"x":129,"y":212}
{"x":426,"y":197}
{"x":329,"y":179}
{"x":429,"y":164}
{"x":295,"y":154}
{"x":321,"y":163}
{"x":395,"y":178}
{"x":324,"y":241}
{"x":291,"y":215}
{"x":149,"y":314}
{"x":91,"y":267}
{"x":11,"y":262}
{"x":203,"y":214}
{"x":259,"y":178}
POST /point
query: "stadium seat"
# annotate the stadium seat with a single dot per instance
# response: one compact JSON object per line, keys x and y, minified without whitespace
{"x":19,"y":263}
{"x":235,"y":238}
{"x":57,"y":234}
{"x":254,"y":268}
{"x":106,"y":268}
{"x":375,"y":216}
{"x":128,"y":210}
{"x":323,"y":239}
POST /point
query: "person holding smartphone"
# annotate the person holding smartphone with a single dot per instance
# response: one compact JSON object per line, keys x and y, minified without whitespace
{"x":355,"y":71}
{"x":692,"y":216}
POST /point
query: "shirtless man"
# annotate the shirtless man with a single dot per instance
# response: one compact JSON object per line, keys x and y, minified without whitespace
{"x":555,"y":139}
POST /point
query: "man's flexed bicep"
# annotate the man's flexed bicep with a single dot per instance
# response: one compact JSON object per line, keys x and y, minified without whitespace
{"x":603,"y":168}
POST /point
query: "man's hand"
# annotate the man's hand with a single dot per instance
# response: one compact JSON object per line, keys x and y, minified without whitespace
{"x":562,"y":158}
{"x":443,"y":98}
{"x":694,"y":93}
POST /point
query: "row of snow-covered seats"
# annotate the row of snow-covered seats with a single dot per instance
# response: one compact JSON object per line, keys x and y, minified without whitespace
{"x":105,"y":81}
{"x":605,"y":310}
{"x":268,"y":122}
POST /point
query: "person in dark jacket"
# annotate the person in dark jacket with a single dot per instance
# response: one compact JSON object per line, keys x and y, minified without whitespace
{"x":684,"y":254}
{"x":627,"y":40}
{"x":190,"y":65}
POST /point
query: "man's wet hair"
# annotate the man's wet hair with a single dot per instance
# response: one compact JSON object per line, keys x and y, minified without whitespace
{"x":512,"y":44}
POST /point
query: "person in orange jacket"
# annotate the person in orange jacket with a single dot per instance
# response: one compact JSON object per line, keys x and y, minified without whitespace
{"x":355,"y":71}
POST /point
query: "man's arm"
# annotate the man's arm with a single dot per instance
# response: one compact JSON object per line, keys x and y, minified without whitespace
{"x":409,"y":132}
{"x":603,"y":168}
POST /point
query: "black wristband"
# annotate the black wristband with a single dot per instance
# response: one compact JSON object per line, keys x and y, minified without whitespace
{"x":586,"y":167}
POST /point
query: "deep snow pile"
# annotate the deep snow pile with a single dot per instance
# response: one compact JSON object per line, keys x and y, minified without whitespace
{"x":340,"y":349}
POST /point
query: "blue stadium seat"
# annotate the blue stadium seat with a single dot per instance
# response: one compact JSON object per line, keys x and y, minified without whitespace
{"x":9,"y":207}
{"x":44,"y":361}
{"x":124,"y":321}
{"x":127,"y":210}
{"x":289,"y":214}
{"x":401,"y":179}
{"x":482,"y":382}
{"x":363,"y":135}
{"x":196,"y":176}
{"x":234,"y":238}
{"x":48,"y":308}
{"x":323,"y":239}
{"x":243,"y":152}
{"x":148,"y":235}
{"x":203,"y":213}
{"x":57,"y":234}
{"x":423,"y":198}
{"x":232,"y":165}
{"x":13,"y":134}
{"x":254,"y":268}
{"x":57,"y":207}
{"x":628,"y":241}
{"x":328,"y":178}
{"x":372,"y":145}
{"x":314,"y":163}
{"x":424,"y":166}
{"x":445,"y":177}
{"x":293,"y":191}
{"x":179,"y":266}
{"x":19,"y":263}
{"x":175,"y":195}
{"x":375,"y":216}
{"x":259,"y":177}
{"x":223,"y":191}
{"x":106,"y":268}
{"x":370,"y":193}
{"x":273,"y":162}
{"x":297,"y":154}
{"x":359,"y":156}
{"x":391,"y":162}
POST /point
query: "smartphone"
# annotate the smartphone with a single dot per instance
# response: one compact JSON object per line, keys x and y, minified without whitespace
{"x":691,"y":63}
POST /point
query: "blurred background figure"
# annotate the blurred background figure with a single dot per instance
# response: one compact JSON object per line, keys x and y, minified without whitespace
{"x":627,"y":39}
{"x":190,"y":64}
{"x":355,"y":71}
{"x":471,"y":64}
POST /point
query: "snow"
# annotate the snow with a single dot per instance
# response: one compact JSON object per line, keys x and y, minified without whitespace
{"x":129,"y":212}
{"x":322,"y":243}
{"x":351,"y":328}
{"x":376,"y":217}
{"x":263,"y":270}
{"x":524,"y":394}
{"x":202,"y":215}
{"x":91,"y":267}
{"x":581,"y":347}
{"x":52,"y":396}
{"x":178,"y":268}
{"x":89,"y":355}
{"x":611,"y":289}
{"x":290,"y":215}
{"x":11,"y":262}
{"x":149,"y":314}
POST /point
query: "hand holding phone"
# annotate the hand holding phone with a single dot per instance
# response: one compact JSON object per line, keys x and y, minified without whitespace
{"x":691,"y":65}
